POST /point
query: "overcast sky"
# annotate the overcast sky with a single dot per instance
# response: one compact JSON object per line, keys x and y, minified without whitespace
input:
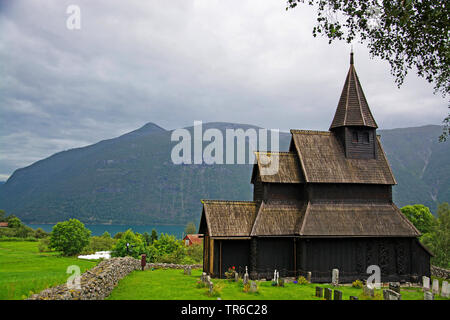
{"x":173,"y":62}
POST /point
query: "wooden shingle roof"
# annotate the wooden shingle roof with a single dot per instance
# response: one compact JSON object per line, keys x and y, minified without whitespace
{"x":279,"y":218}
{"x":353,"y":109}
{"x":287,"y":171}
{"x":323,"y":160}
{"x":356,"y":220}
{"x":229,"y":218}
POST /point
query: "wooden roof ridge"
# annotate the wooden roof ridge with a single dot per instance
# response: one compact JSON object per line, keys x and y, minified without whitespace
{"x":300,"y":131}
{"x":281,"y":153}
{"x":386,"y":159}
{"x":258,"y":215}
{"x":403,"y":217}
{"x":242,"y":202}
{"x":353,"y":109}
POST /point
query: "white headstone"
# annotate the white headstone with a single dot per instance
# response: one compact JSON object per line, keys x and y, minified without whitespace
{"x":426,"y":283}
{"x":435,"y":288}
{"x":369,"y":290}
{"x":335,"y":277}
{"x":445,"y":290}
{"x":428,"y":295}
{"x":253,"y":287}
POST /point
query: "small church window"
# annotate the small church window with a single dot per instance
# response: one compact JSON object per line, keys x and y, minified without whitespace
{"x":355,"y":137}
{"x":366,"y":137}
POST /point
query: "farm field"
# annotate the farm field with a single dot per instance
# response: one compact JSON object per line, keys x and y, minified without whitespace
{"x":172,"y":284}
{"x":24,"y":270}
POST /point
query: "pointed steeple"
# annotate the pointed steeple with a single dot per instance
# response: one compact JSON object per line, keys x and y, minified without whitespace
{"x":353,"y":109}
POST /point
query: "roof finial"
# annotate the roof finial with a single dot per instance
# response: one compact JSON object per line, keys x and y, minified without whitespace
{"x":351,"y":55}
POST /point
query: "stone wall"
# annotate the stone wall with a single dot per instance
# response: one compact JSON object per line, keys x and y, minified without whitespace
{"x":98,"y":282}
{"x":440,"y":272}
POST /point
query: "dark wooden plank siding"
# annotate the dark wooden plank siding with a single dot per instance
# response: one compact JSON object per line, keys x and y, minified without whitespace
{"x":360,"y":149}
{"x":275,"y":253}
{"x":350,"y":193}
{"x":398,"y":258}
{"x":284,"y":191}
{"x":235,"y":253}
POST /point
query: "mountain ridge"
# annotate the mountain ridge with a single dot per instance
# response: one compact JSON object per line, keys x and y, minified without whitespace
{"x":130,"y":178}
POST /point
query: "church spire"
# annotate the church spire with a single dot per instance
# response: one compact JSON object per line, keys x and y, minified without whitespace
{"x":353,"y":109}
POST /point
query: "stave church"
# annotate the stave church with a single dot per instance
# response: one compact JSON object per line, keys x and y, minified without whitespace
{"x":329,"y":205}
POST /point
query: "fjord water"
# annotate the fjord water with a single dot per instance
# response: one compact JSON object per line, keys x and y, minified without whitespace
{"x":99,"y":229}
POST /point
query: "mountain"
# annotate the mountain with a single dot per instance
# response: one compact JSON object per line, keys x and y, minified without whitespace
{"x":420,"y":164}
{"x":132,"y":180}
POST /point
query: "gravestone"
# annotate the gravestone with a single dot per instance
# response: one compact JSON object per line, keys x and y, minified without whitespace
{"x":188,"y":271}
{"x":335,"y":277}
{"x":328,"y":293}
{"x":208,"y":279}
{"x":308,"y":276}
{"x":445,"y":290}
{"x":281,"y":282}
{"x":319,"y":292}
{"x":389,"y":294}
{"x":337,"y":295}
{"x":435,"y":288}
{"x":428,"y":295}
{"x":253,"y":287}
{"x":211,"y":287}
{"x":394,"y":286}
{"x":369,"y":290}
{"x":203,"y":277}
{"x":245,"y":279}
{"x":236,"y":277}
{"x":426,"y":283}
{"x":353,"y":298}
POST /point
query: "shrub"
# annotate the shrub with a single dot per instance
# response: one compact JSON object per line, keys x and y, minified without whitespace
{"x":302,"y":280}
{"x":195,"y":253}
{"x":43,"y":245}
{"x":135,"y":247}
{"x":102,"y":243}
{"x":230,"y":274}
{"x":357,"y":284}
{"x":169,"y":249}
{"x":40,"y":234}
{"x":69,"y":237}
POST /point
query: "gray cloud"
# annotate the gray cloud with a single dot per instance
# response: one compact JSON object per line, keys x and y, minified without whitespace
{"x":175,"y":62}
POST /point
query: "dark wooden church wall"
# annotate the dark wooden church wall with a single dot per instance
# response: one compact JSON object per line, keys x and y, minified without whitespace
{"x":360,"y":149}
{"x":351,"y":192}
{"x":284,"y":191}
{"x":275,"y":253}
{"x":234,"y":253}
{"x":353,"y":256}
{"x":421,"y":264}
{"x":258,"y":189}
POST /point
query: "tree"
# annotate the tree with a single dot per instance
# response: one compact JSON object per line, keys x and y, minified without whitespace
{"x":129,"y":244}
{"x":118,"y":235}
{"x":14,"y":222}
{"x":420,"y":216}
{"x":40,"y":233}
{"x":147,"y":238}
{"x":154,"y":235}
{"x":169,"y":249}
{"x":2,"y":216}
{"x":406,"y":33}
{"x":106,"y":235}
{"x":190,"y":228}
{"x":438,"y":241}
{"x":70,"y":237}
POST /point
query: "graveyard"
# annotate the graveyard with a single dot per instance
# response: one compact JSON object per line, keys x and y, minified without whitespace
{"x":172,"y":284}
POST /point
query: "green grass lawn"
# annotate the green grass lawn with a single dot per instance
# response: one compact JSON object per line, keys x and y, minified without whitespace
{"x":23,"y":270}
{"x":173,"y":285}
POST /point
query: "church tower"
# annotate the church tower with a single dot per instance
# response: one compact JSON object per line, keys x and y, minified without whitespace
{"x":353,"y":122}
